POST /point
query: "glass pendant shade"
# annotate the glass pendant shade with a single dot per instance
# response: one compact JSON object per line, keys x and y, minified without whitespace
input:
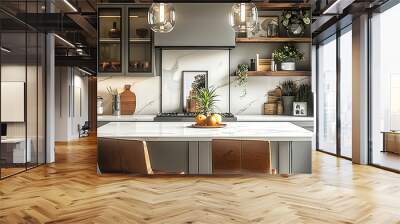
{"x":244,"y":17}
{"x":161,"y":17}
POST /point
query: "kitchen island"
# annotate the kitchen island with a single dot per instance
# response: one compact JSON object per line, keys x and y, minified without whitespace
{"x":175,"y":146}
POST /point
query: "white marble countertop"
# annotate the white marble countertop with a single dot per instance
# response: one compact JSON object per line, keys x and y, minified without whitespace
{"x":111,"y":118}
{"x":180,"y":131}
{"x":241,"y":118}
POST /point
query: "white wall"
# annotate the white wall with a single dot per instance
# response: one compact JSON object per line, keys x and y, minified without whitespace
{"x":71,"y":103}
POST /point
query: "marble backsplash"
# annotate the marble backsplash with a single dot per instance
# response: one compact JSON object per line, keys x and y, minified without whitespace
{"x":216,"y":62}
{"x":147,"y":90}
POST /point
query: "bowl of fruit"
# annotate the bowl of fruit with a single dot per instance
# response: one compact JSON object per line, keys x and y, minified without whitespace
{"x":210,"y":121}
{"x":206,"y":99}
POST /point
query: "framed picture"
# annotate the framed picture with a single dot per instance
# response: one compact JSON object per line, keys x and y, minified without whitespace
{"x":261,"y":29}
{"x":192,"y":80}
{"x":299,"y":108}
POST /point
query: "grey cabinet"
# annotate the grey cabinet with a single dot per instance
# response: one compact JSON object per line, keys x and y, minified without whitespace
{"x":125,"y":41}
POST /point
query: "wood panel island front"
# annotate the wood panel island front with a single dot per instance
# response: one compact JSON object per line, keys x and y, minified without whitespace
{"x":177,"y":147}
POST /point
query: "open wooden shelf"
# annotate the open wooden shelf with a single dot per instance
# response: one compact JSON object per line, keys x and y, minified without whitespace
{"x":273,"y":6}
{"x":273,"y":39}
{"x":279,"y":73}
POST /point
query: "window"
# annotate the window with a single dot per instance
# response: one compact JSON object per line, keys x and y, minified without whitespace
{"x":385,"y":89}
{"x":327,"y":95}
{"x":346,"y":94}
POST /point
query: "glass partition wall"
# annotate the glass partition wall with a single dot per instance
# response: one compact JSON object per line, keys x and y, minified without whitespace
{"x":334,"y":100}
{"x":22,"y":77}
{"x":385,"y":90}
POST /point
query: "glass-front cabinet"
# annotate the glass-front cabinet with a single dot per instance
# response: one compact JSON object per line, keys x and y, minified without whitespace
{"x":110,"y":40}
{"x":125,"y":44}
{"x":140,"y":42}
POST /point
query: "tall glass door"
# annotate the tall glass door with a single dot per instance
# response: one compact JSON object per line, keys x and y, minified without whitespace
{"x":326,"y":99}
{"x":345,"y":42}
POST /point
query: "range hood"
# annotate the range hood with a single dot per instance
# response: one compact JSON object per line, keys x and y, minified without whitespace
{"x":199,"y":25}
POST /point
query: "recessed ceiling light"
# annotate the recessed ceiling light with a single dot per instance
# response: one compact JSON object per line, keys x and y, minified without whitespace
{"x":84,"y":71}
{"x":5,"y":50}
{"x":65,"y":41}
{"x":337,"y":7}
{"x":70,"y":5}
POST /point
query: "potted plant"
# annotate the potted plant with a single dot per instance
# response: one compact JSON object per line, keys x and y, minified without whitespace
{"x":304,"y":100}
{"x":242,"y":77}
{"x":289,"y":89}
{"x":287,"y":56}
{"x":295,"y":21}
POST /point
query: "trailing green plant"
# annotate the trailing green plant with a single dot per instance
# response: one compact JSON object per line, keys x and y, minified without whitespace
{"x":304,"y":93}
{"x":301,"y":17}
{"x":206,"y":99}
{"x":287,"y":53}
{"x":289,"y":88}
{"x":242,"y":77}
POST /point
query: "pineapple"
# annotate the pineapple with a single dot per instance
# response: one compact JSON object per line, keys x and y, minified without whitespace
{"x":206,"y":99}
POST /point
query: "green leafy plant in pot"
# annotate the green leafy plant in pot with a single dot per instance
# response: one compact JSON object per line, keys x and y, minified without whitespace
{"x":289,"y":90}
{"x":242,"y":77}
{"x":206,"y":99}
{"x":304,"y":94}
{"x":287,"y":56}
{"x":296,"y":21}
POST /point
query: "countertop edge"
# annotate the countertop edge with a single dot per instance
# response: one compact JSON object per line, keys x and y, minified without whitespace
{"x":240,"y":118}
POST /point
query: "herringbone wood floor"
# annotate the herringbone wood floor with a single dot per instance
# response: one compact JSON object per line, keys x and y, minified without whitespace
{"x":70,"y":191}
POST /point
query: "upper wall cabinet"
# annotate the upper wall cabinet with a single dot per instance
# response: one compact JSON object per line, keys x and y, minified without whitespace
{"x":125,"y":41}
{"x":140,"y":49}
{"x":109,"y":40}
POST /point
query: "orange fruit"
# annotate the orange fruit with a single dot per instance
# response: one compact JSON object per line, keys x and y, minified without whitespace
{"x":218,"y":118}
{"x":201,"y":119}
{"x":211,"y":121}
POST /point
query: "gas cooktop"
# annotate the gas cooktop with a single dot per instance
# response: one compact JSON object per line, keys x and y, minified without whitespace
{"x":188,"y":117}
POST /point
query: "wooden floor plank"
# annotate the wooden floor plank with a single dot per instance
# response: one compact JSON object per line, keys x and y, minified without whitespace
{"x":70,"y":191}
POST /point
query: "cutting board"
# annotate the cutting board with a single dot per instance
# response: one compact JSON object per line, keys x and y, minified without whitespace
{"x":128,"y":101}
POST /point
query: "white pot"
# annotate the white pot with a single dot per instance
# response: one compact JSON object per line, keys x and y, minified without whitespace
{"x":288,"y":66}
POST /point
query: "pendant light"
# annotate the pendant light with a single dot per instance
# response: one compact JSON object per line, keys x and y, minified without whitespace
{"x":244,"y":17}
{"x":161,"y":17}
